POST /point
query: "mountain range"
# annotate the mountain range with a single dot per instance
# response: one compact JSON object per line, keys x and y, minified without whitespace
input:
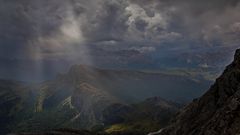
{"x":84,"y":98}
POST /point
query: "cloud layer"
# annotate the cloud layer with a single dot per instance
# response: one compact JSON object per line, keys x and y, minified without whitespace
{"x":81,"y":31}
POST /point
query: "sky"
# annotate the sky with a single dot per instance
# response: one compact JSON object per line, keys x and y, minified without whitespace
{"x":39,"y":38}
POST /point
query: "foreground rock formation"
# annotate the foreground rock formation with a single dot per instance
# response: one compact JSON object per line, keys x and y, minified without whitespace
{"x":215,"y":113}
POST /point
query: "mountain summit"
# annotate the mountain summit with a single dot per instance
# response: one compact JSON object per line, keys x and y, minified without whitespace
{"x":215,"y":113}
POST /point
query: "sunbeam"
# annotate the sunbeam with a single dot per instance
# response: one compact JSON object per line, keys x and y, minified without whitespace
{"x":66,"y":43}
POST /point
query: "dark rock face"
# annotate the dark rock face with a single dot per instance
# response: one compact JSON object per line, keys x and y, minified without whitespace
{"x":215,"y":113}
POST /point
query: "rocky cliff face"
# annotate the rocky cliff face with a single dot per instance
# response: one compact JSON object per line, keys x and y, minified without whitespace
{"x":215,"y":113}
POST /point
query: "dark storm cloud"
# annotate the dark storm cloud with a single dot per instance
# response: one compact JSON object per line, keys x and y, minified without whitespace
{"x":106,"y":21}
{"x":122,"y":20}
{"x":193,"y":16}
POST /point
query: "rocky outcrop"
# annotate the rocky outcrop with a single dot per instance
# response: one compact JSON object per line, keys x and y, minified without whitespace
{"x":215,"y":113}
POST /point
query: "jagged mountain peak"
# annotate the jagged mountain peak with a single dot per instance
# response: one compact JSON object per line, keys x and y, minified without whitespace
{"x":237,"y":58}
{"x":237,"y":55}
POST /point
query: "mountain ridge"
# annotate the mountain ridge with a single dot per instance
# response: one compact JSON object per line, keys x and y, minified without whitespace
{"x":134,"y":79}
